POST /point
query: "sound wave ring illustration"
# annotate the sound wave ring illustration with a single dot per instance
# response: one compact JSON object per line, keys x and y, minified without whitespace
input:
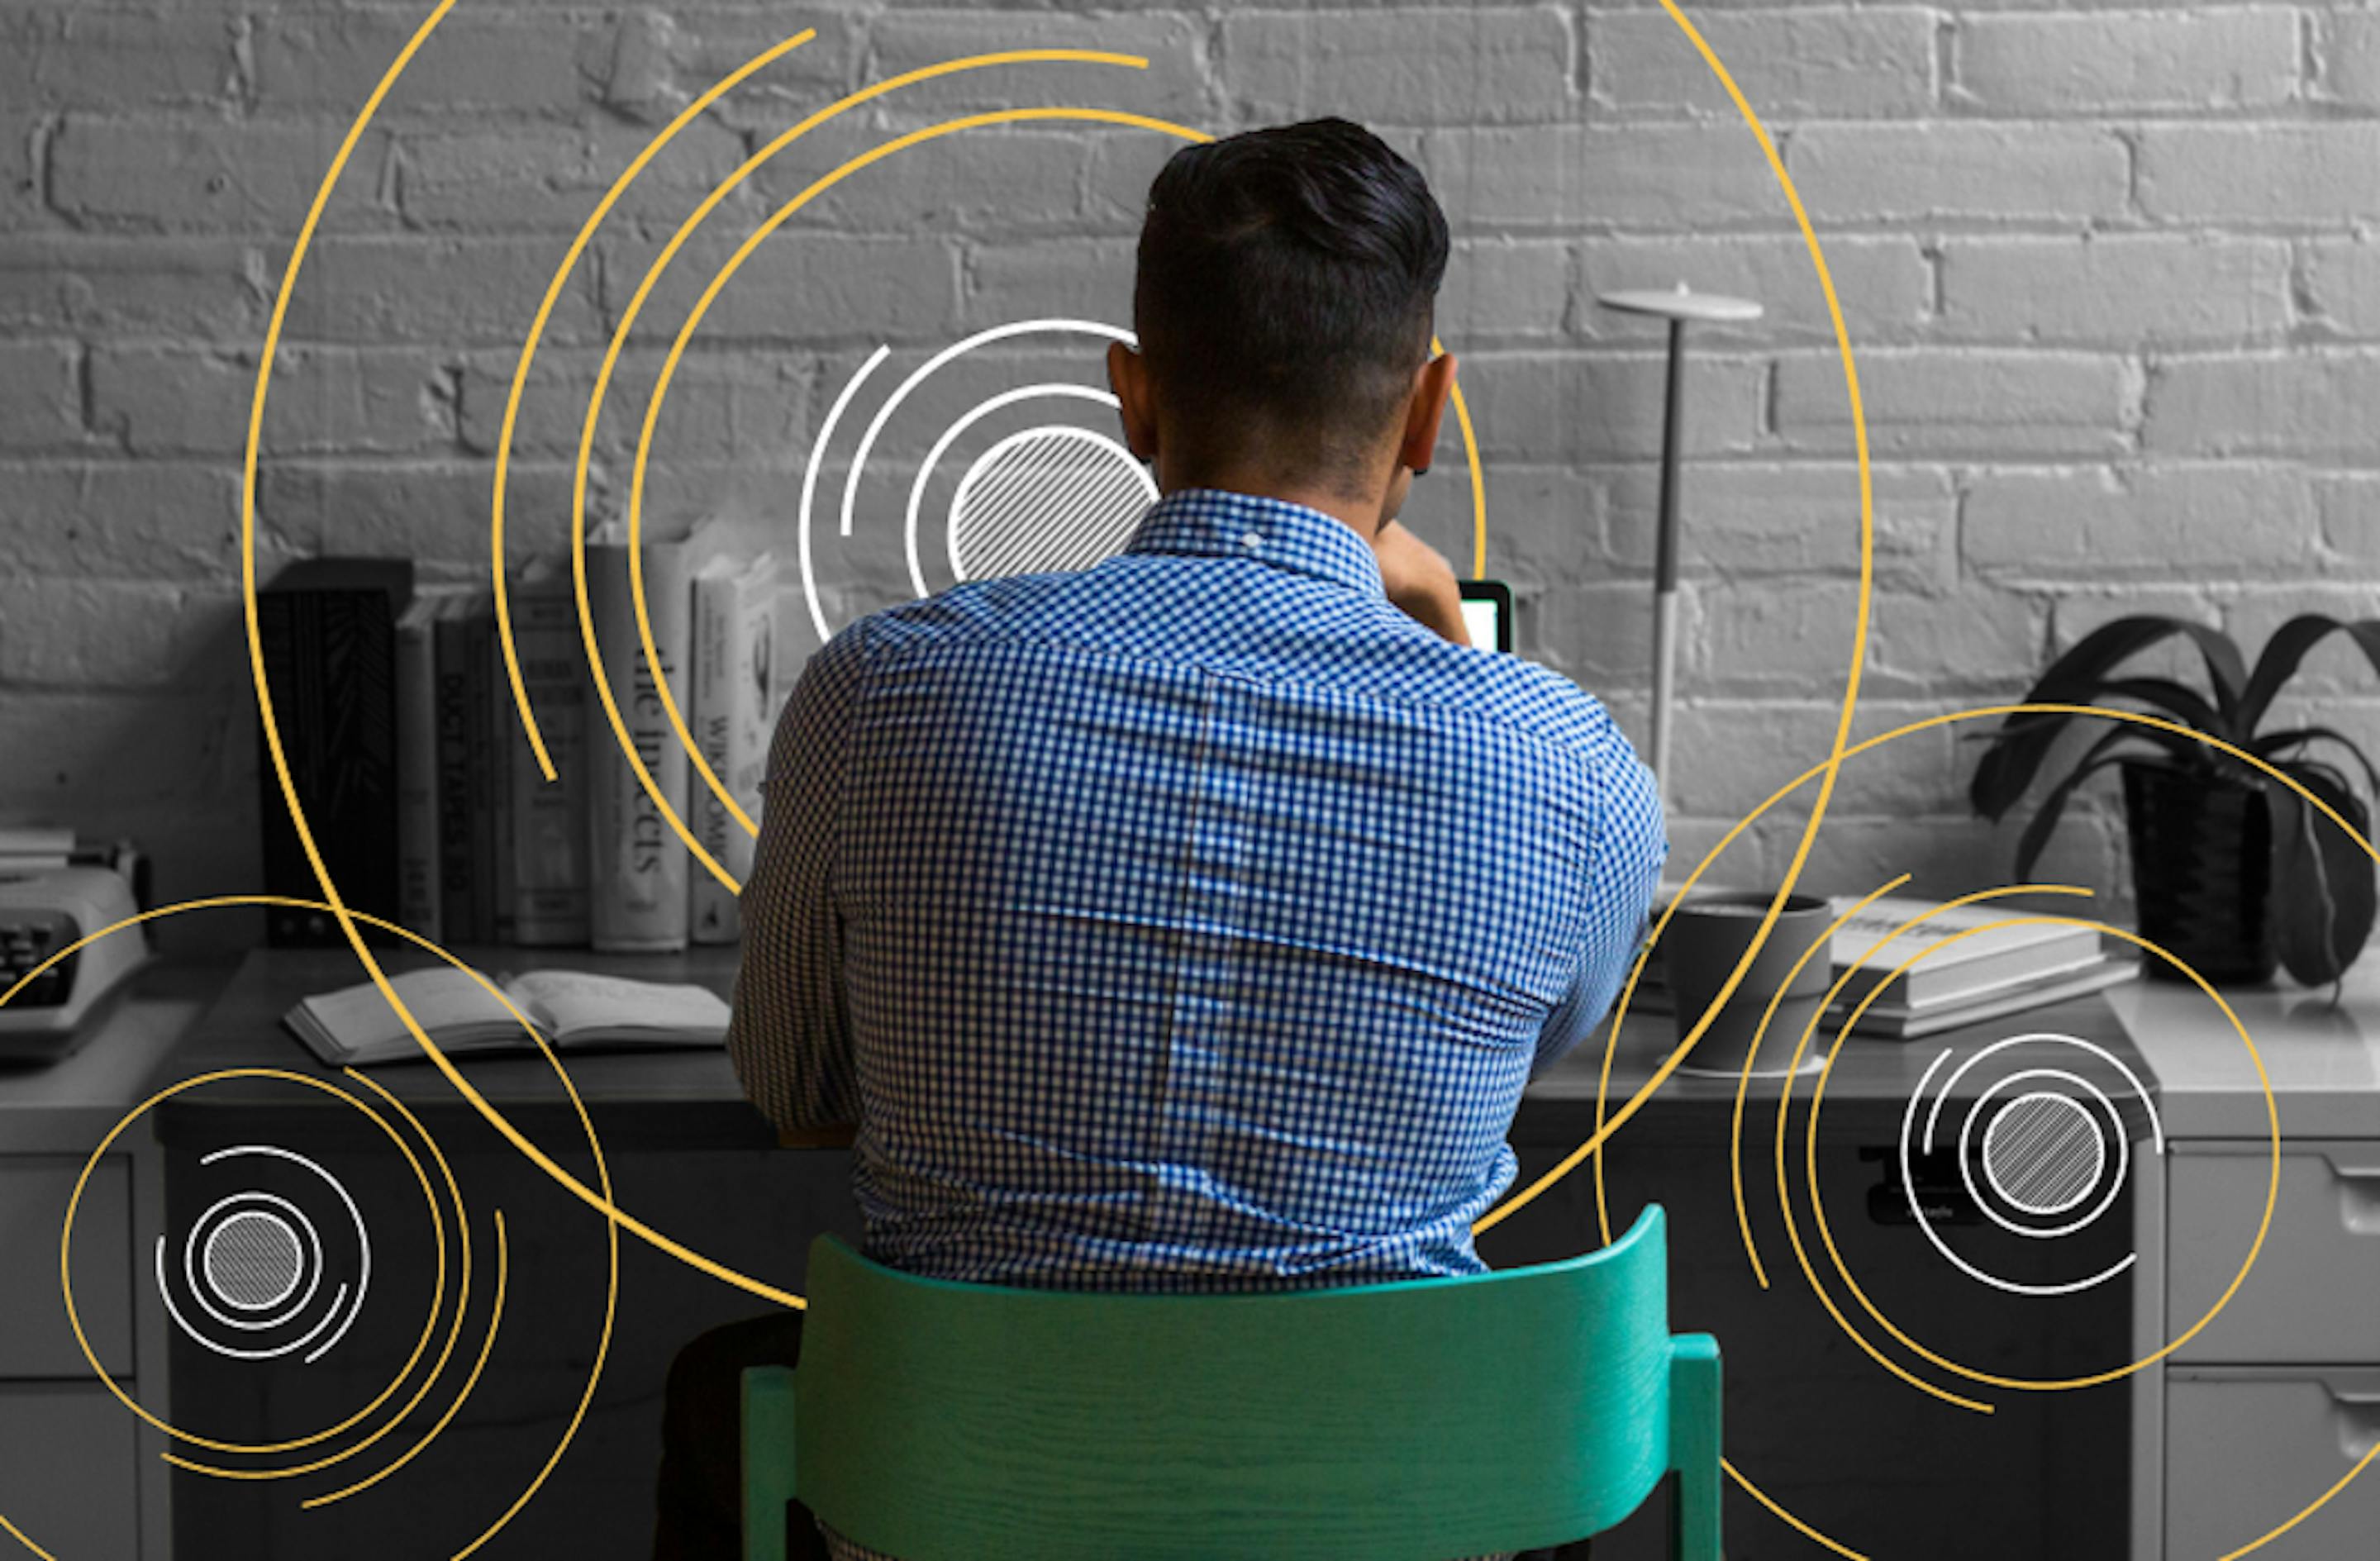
{"x":254,"y":1260}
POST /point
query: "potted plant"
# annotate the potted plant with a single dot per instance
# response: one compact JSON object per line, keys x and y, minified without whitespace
{"x":2232,"y":871}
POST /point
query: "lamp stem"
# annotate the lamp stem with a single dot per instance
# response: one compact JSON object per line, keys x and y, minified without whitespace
{"x":1665,"y":560}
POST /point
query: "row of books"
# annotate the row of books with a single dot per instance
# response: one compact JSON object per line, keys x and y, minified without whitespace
{"x":424,"y":795}
{"x":1985,"y":974}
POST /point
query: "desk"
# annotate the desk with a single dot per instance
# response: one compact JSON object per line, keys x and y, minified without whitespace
{"x":1815,"y":1420}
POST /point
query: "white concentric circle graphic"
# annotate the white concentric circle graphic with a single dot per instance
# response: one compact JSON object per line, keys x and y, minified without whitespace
{"x":2037,"y":1164}
{"x":882,"y":417}
{"x":1049,"y":498}
{"x":249,"y":1252}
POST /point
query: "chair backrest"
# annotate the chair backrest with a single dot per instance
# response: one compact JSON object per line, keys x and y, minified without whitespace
{"x":1427,"y":1420}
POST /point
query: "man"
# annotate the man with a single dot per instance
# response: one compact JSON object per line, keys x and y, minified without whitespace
{"x":1192,"y":921}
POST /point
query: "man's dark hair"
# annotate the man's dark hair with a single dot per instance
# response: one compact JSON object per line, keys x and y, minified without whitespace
{"x":1286,"y":280}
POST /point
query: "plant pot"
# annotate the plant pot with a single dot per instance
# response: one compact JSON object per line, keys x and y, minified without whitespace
{"x":2202,"y":872}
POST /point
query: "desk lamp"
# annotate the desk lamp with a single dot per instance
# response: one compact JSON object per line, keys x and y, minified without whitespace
{"x":1677,"y":307}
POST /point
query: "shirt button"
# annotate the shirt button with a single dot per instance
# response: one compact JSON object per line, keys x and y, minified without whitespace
{"x":1252,"y":540}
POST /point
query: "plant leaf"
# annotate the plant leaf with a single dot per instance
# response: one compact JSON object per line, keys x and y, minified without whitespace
{"x":2022,"y":742}
{"x":2323,"y":894}
{"x":2037,"y":829}
{"x":2273,"y":744}
{"x":2287,"y":650}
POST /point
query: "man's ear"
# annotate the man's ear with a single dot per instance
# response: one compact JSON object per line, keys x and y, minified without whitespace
{"x":1433,"y":382}
{"x":1128,"y":377}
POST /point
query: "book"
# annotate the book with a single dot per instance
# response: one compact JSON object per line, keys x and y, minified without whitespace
{"x":459,"y":909}
{"x":1896,"y":1023}
{"x":326,"y":635}
{"x":491,"y":917}
{"x":734,"y":699}
{"x":575,"y":1009}
{"x":549,"y":817}
{"x":636,"y":864}
{"x":1972,"y":965}
{"x":416,"y":768}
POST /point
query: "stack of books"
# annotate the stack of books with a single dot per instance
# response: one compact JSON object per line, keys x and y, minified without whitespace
{"x":1982,"y":975}
{"x":415,"y":759}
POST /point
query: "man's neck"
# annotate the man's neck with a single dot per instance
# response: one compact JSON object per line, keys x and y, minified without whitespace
{"x":1361,"y":516}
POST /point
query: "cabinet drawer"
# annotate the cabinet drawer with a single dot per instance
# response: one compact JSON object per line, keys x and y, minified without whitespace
{"x":68,"y":1472}
{"x":34,"y":1338}
{"x":2310,"y":1297}
{"x":2246,"y":1451}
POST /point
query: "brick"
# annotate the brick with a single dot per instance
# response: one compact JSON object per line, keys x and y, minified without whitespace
{"x":1883,"y":283}
{"x":1504,"y":289}
{"x":2212,"y":58}
{"x":550,"y":178}
{"x":1122,"y":165}
{"x":721,"y":406}
{"x":80,"y":57}
{"x":1936,"y":402}
{"x":1772,"y":634}
{"x":2312,"y":174}
{"x":1836,"y":62}
{"x":209,"y":174}
{"x":41,"y":399}
{"x":2342,"y":284}
{"x":84,"y":749}
{"x":106,"y":634}
{"x":2160,"y":523}
{"x":1069,"y":278}
{"x":1728,"y":754}
{"x":1746,"y":520}
{"x":1973,"y":640}
{"x":23,"y":147}
{"x":1544,"y":523}
{"x":2075,"y":614}
{"x":2298,"y":404}
{"x":1899,"y":173}
{"x":1600,"y":406}
{"x":2156,"y":289}
{"x":1635,"y":176}
{"x":1398,"y":67}
{"x":2349,"y":49}
{"x":998,"y":181}
{"x":451,"y":292}
{"x":2349,"y":503}
{"x":1173,"y":86}
{"x":176,"y":401}
{"x":309,"y":59}
{"x":805,"y":286}
{"x":124,"y":521}
{"x":203,"y":287}
{"x":433,"y":511}
{"x":658,"y":62}
{"x":1600,"y":633}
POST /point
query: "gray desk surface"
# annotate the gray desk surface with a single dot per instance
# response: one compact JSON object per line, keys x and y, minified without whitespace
{"x":692,"y":1100}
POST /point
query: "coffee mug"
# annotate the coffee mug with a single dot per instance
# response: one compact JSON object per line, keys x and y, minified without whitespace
{"x":1707,"y":936}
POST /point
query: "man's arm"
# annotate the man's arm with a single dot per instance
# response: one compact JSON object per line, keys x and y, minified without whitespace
{"x":1623,"y":871}
{"x":790,"y":1035}
{"x":1420,"y":581}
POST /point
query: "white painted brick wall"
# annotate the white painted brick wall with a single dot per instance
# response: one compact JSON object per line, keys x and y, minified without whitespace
{"x":2110,"y":267}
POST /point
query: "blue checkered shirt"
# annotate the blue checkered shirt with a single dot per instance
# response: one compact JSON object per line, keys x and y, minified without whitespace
{"x":1189,"y":922}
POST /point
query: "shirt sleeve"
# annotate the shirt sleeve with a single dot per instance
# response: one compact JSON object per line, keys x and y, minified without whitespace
{"x":1623,"y":872}
{"x":789,"y":1033}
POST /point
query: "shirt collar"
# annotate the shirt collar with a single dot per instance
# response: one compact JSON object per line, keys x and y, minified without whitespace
{"x":1215,"y":523}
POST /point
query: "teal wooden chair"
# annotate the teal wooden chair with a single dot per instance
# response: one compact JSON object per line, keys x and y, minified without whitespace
{"x":1422,"y":1420}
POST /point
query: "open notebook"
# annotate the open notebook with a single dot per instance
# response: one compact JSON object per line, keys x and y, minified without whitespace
{"x":575,"y":1010}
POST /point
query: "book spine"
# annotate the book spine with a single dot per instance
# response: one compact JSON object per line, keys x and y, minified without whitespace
{"x":717,"y":611}
{"x":455,"y":908}
{"x":638,"y":865}
{"x":479,"y":739}
{"x":417,"y":777}
{"x":504,"y":733}
{"x":328,"y":658}
{"x":550,"y":845}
